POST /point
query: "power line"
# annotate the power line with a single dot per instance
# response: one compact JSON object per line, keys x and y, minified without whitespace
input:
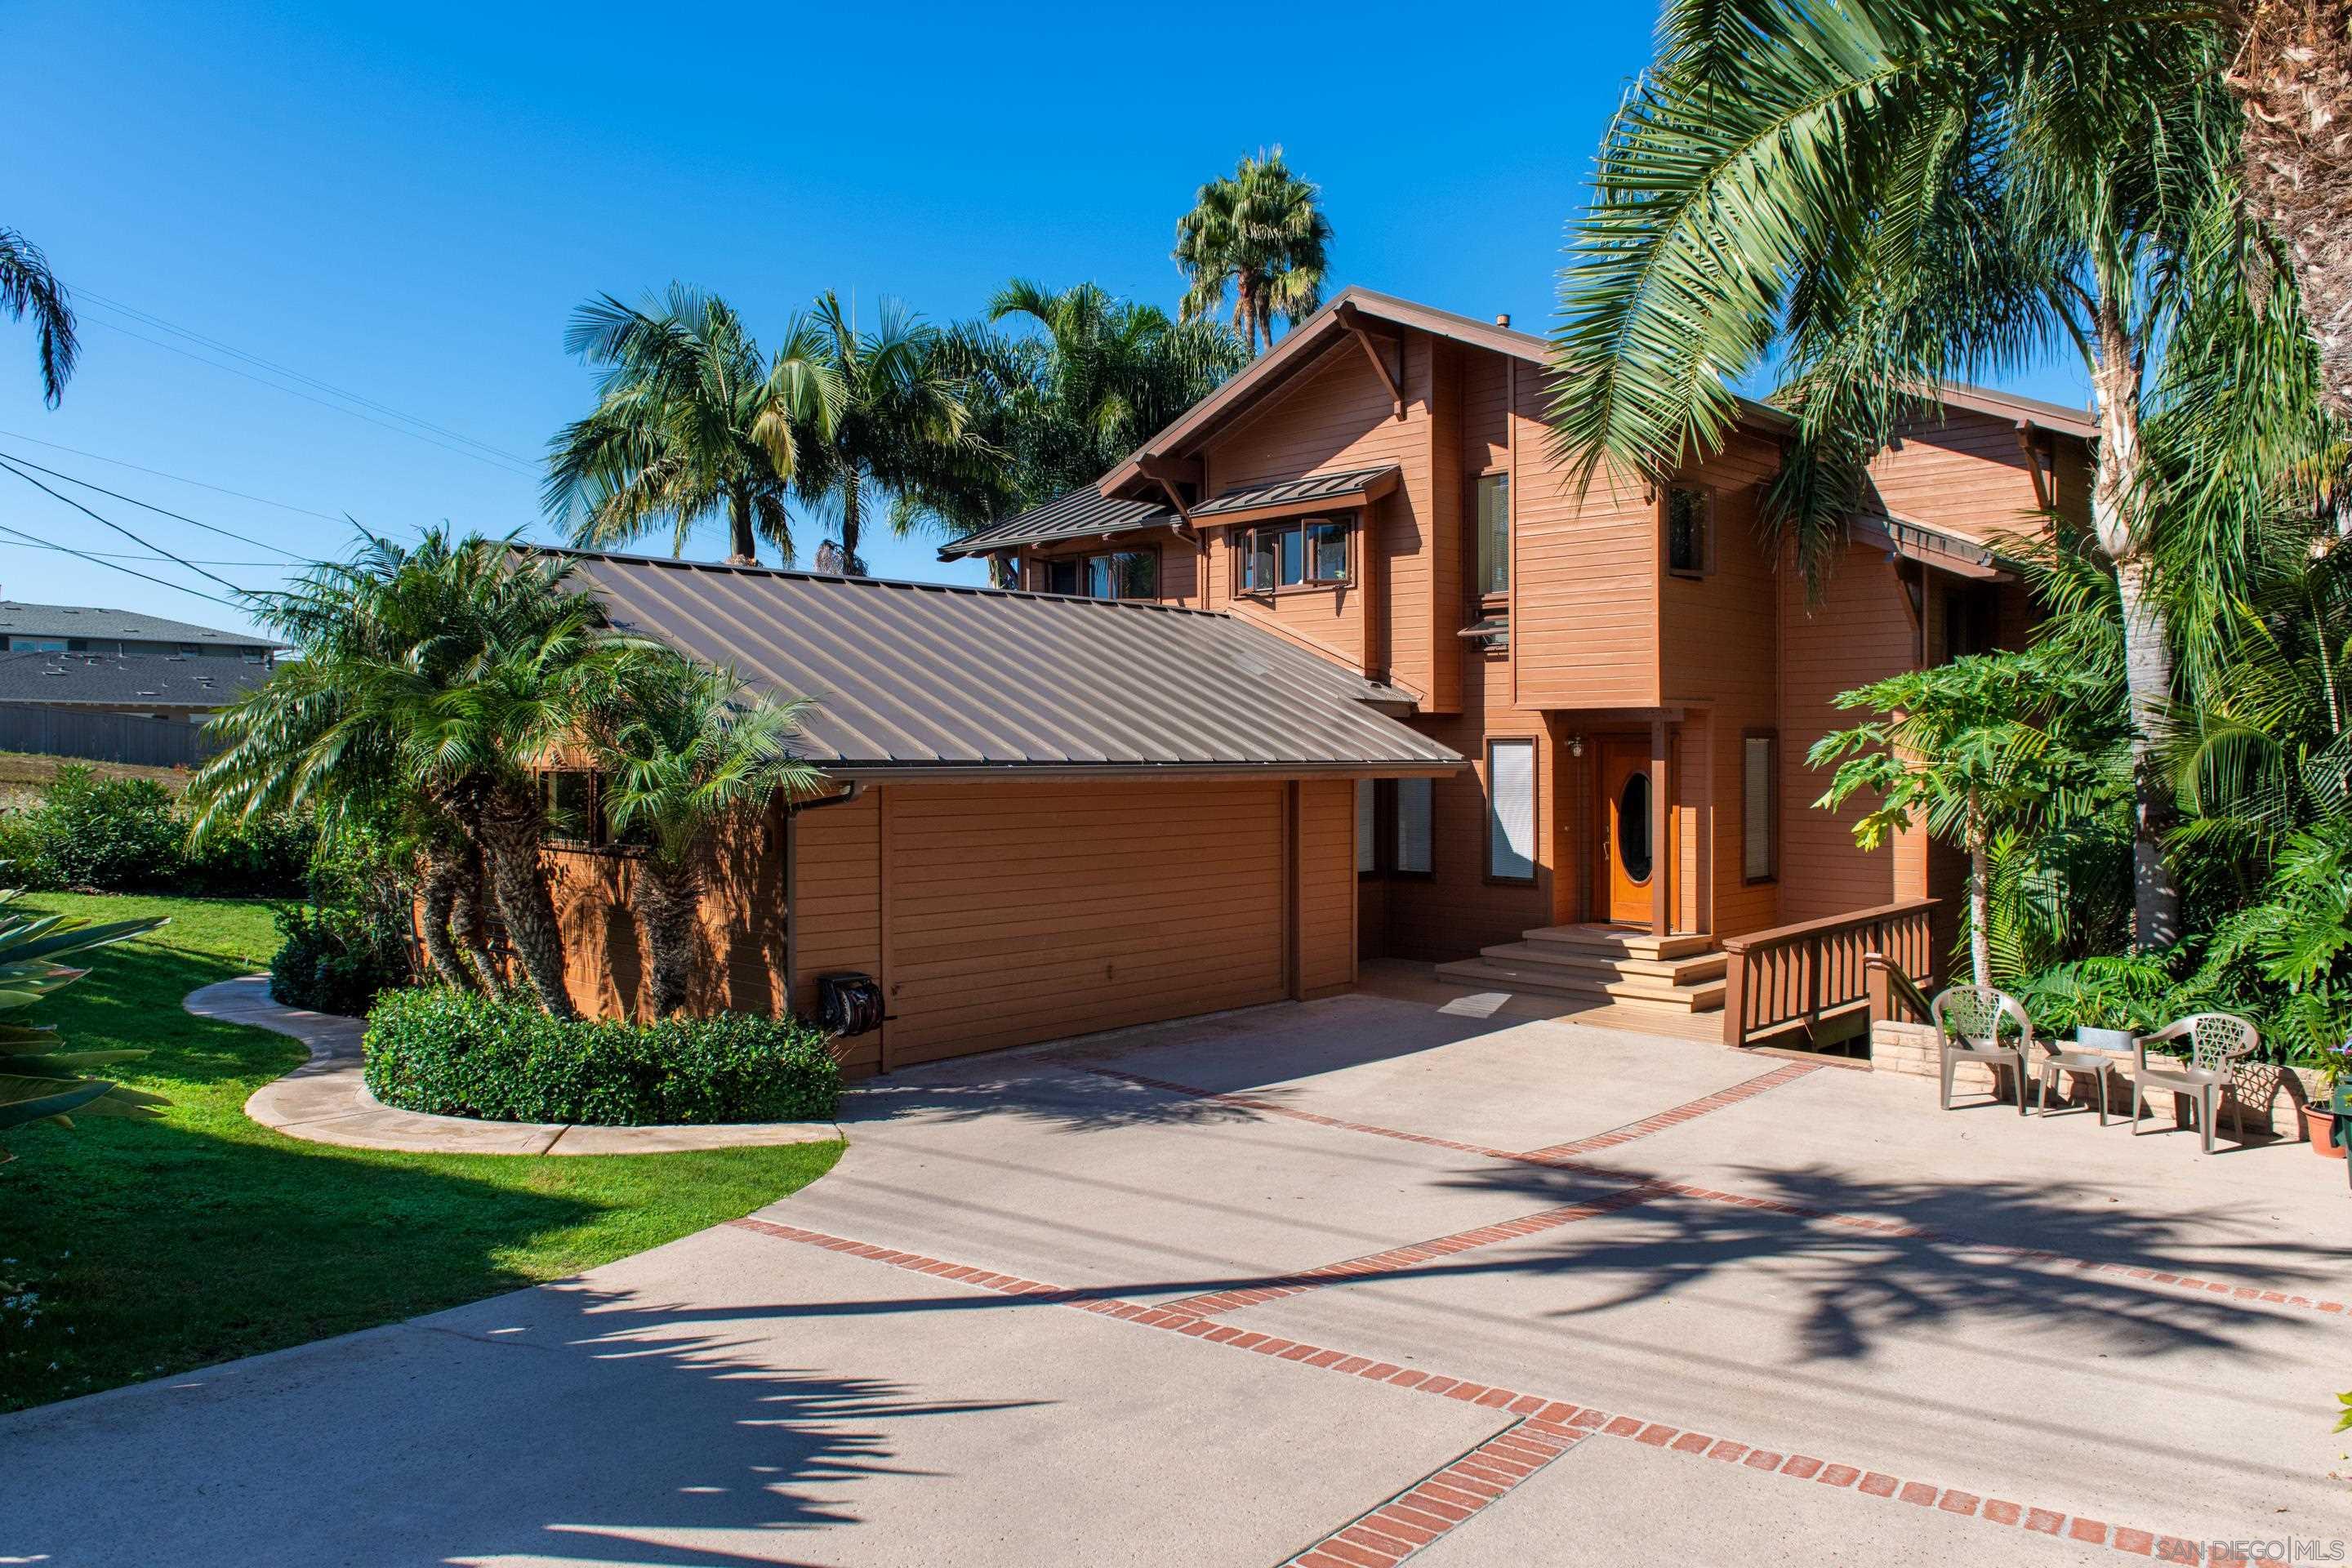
{"x":127,"y":555}
{"x":176,"y":587}
{"x":502,"y":464}
{"x":177,"y":479}
{"x":150,"y":319}
{"x":160,"y":511}
{"x":110,"y":522}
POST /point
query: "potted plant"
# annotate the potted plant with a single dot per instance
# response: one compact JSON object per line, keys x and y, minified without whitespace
{"x":2335,"y":1067}
{"x":2103,"y":1003}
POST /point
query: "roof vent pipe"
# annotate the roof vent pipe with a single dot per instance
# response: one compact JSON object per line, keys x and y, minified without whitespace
{"x":1503,"y":319}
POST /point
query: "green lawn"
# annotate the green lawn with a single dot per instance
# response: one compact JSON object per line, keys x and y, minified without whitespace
{"x":154,"y":1246}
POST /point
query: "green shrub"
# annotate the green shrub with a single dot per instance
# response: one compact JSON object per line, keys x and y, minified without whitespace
{"x":335,"y":959}
{"x":132,"y":835}
{"x":455,"y":1054}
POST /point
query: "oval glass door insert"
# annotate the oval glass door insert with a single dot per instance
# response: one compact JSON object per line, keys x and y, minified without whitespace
{"x":1634,"y":828}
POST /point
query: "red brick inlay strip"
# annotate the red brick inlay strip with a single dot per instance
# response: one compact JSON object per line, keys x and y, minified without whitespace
{"x":1445,"y":1498}
{"x":1555,"y":1159}
{"x":1403,"y":1258}
{"x":1676,"y":1116}
{"x":1578,"y":1422}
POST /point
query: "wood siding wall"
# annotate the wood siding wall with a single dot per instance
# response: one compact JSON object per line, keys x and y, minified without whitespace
{"x":1000,"y":914}
{"x":1584,"y":577}
{"x":1967,"y":474}
{"x":740,"y":953}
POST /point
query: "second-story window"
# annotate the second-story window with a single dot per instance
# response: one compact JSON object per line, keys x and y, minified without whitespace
{"x":1113,"y":574}
{"x":1493,"y":577}
{"x":1312,"y":552}
{"x":1688,"y":520}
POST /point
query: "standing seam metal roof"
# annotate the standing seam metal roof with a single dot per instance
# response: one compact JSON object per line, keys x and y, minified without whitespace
{"x":1073,"y":514}
{"x":926,"y":675}
{"x":1314,"y":488}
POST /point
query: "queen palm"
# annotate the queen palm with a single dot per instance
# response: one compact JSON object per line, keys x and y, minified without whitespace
{"x":432,"y":676}
{"x":1895,"y":191}
{"x":899,"y":432}
{"x":686,"y":754}
{"x":1081,"y":388}
{"x":1259,"y":231}
{"x":692,"y":422}
{"x":28,"y":288}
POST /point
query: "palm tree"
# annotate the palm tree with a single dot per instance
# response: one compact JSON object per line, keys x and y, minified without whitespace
{"x":1897,"y":192}
{"x":1090,"y":377}
{"x":899,"y":432}
{"x":1261,"y":231}
{"x":29,"y":287}
{"x":691,"y":422}
{"x":432,"y":678}
{"x":686,"y":754}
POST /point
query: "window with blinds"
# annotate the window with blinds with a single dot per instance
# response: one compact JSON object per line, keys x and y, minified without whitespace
{"x":1511,"y":810}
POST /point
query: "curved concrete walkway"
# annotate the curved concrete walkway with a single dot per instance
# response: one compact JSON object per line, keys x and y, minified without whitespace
{"x":325,"y":1100}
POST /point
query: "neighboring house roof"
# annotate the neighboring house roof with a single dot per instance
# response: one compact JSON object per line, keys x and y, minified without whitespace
{"x":133,"y":679}
{"x":937,"y":678}
{"x":1082,"y":514}
{"x":86,"y":620}
{"x":1347,"y":485}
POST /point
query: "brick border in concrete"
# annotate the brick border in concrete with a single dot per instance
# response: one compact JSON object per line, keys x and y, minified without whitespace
{"x":325,"y":1100}
{"x":1575,"y":1421}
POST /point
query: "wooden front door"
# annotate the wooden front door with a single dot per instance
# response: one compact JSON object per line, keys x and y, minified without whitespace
{"x":1627,"y":856}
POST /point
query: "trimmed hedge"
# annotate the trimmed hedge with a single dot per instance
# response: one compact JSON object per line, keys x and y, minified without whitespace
{"x":455,"y":1054}
{"x":335,"y":959}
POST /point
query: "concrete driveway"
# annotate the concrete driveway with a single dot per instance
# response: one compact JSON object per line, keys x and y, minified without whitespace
{"x":1330,"y":1284}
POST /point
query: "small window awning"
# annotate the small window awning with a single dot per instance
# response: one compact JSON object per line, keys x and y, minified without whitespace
{"x":1350,"y":487}
{"x":1931,"y":546}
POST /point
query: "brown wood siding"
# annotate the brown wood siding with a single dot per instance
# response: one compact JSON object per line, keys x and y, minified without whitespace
{"x":1858,"y":633}
{"x":1339,"y":415}
{"x":838,"y":896}
{"x":1327,"y":886}
{"x":738,"y":951}
{"x":1584,"y":578}
{"x":1719,"y":642}
{"x":1025,"y":913}
{"x":1968,"y":475}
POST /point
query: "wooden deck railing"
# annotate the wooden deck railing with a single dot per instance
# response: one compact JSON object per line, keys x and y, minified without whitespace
{"x":1805,"y":976}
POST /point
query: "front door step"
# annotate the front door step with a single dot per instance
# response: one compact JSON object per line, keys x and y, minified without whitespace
{"x":1673,"y":974}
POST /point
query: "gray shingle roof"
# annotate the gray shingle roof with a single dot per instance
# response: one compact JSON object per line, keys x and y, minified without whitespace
{"x":86,"y":620}
{"x":138,"y":679}
{"x":932,"y":676}
{"x":1081,"y":514}
{"x":1307,"y":491}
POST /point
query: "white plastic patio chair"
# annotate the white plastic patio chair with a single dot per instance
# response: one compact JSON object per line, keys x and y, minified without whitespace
{"x":1969,"y":1021}
{"x":2217,"y":1042}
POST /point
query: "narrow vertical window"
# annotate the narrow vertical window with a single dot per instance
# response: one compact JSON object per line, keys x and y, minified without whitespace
{"x":1757,"y":856}
{"x":1367,"y":847}
{"x":1327,"y":551}
{"x":1686,"y":530}
{"x":1413,"y":825}
{"x":1511,"y":810}
{"x":1493,"y":534}
{"x":1261,"y":559}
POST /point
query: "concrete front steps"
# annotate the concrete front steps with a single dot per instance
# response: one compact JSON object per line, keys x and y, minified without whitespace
{"x":1618,"y":963}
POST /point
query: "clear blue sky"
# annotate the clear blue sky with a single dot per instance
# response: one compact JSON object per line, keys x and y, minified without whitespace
{"x":406,"y":202}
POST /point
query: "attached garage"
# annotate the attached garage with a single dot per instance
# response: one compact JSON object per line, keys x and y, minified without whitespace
{"x":1055,"y":815}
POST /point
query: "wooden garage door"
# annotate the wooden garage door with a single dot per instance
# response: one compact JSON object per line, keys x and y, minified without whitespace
{"x":1024,"y":913}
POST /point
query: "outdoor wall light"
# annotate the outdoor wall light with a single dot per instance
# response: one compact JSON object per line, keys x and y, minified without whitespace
{"x":1576,"y":745}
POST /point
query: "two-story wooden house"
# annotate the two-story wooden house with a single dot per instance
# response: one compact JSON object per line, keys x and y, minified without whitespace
{"x":1634,"y":681}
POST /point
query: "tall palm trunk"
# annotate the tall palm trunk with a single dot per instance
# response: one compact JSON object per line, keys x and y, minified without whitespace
{"x":2293,"y":75}
{"x":2147,"y":651}
{"x":438,"y":894}
{"x":852,"y":482}
{"x":467,"y":925}
{"x":667,"y":899}
{"x":742,"y":547}
{"x":510,"y":836}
